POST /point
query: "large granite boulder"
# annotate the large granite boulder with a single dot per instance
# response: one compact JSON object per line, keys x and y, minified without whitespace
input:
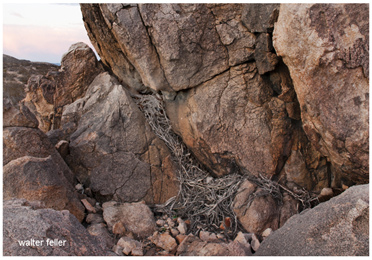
{"x":41,"y":179}
{"x":29,"y":230}
{"x":326,"y":48}
{"x":46,"y":95}
{"x":338,"y":227}
{"x":227,"y":94}
{"x":113,"y":150}
{"x":171,"y":47}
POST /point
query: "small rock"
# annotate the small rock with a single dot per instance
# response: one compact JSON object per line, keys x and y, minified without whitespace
{"x":130,"y":245}
{"x":88,"y":192}
{"x":174,"y":232}
{"x":255,"y":244}
{"x":182,"y":228}
{"x":241,"y":239}
{"x":180,"y":238}
{"x":79,"y":187}
{"x":170,"y":222}
{"x":160,"y":222}
{"x":118,"y":250}
{"x":238,"y":249}
{"x":165,"y":241}
{"x":325,"y":194}
{"x":94,"y":218}
{"x":88,"y":206}
{"x":101,"y":232}
{"x":118,"y":229}
{"x":267,"y":232}
{"x":220,"y":236}
{"x":207,"y":236}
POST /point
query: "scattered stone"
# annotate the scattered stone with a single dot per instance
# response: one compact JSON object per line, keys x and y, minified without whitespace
{"x":255,"y":243}
{"x":207,"y":236}
{"x":135,"y":217}
{"x":174,"y":232}
{"x":160,"y":222}
{"x":88,"y":206}
{"x":193,"y":246}
{"x":242,"y":239}
{"x":130,"y":246}
{"x":118,"y":250}
{"x":79,"y":187}
{"x":180,"y":238}
{"x":165,"y":241}
{"x":238,"y":249}
{"x":182,"y":227}
{"x":118,"y":229}
{"x":94,"y":218}
{"x":267,"y":232}
{"x":100,"y":231}
{"x":170,"y":222}
{"x":325,"y":194}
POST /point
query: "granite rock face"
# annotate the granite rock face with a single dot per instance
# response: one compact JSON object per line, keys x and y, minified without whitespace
{"x":231,"y":98}
{"x":326,"y":48}
{"x":23,"y":221}
{"x":338,"y":227}
{"x":113,"y":150}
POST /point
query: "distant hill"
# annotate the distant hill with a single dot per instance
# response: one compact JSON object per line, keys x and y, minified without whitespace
{"x":16,"y":74}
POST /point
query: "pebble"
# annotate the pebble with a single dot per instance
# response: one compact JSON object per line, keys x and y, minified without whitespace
{"x":182,"y":228}
{"x":174,"y":232}
{"x":160,"y":222}
{"x":267,"y":232}
{"x":255,"y":243}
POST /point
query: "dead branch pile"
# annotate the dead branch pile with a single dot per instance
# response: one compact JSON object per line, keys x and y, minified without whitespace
{"x":204,"y":200}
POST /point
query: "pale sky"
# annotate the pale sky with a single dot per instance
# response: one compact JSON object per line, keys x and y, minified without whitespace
{"x":41,"y":32}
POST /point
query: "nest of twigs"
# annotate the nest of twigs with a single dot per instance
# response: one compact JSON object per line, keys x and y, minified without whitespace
{"x":204,"y":200}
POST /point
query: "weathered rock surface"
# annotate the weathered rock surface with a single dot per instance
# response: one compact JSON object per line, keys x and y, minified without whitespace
{"x":21,"y":117}
{"x":22,"y":222}
{"x":326,"y":48}
{"x":136,"y":217}
{"x":171,"y":47}
{"x":100,"y":231}
{"x":228,"y":95}
{"x":338,"y":227}
{"x":25,"y":141}
{"x":40,"y":179}
{"x":47,"y":94}
{"x":113,"y":150}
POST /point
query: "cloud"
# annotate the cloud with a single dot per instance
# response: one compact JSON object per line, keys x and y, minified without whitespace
{"x":41,"y":43}
{"x":17,"y":14}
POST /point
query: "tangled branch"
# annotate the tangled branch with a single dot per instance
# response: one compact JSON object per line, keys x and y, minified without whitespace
{"x":204,"y":200}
